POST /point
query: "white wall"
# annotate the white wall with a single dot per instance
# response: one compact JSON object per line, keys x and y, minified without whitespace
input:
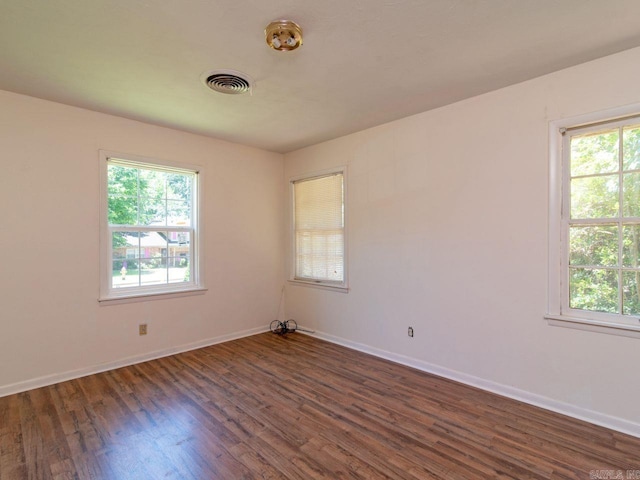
{"x":51,"y":325}
{"x":448,"y":233}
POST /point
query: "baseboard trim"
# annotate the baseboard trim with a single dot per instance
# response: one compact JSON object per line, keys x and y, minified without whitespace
{"x":607,"y":421}
{"x":603,"y":420}
{"x":83,"y":372}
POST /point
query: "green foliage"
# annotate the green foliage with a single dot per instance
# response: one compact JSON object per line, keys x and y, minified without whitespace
{"x":631,"y":148}
{"x":595,"y":197}
{"x":138,"y":196}
{"x":594,"y":289}
{"x":630,"y":293}
{"x":593,"y":245}
{"x":594,"y":153}
{"x":123,"y":191}
{"x":595,"y":184}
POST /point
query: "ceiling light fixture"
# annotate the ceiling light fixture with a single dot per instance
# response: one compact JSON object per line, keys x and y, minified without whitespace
{"x":283,"y":35}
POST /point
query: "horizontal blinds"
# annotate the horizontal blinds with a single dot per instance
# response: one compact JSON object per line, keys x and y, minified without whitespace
{"x":319,"y":228}
{"x":319,"y":203}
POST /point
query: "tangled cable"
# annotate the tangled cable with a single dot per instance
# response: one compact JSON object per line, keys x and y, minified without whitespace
{"x":282,"y":328}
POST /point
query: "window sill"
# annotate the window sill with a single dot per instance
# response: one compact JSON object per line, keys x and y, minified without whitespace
{"x":145,"y":297}
{"x":322,"y":286}
{"x":610,"y":328}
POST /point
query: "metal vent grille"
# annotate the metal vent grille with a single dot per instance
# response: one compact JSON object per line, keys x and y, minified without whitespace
{"x":228,"y":82}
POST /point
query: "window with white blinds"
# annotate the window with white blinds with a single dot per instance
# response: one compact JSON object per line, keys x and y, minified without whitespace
{"x":319,"y":229}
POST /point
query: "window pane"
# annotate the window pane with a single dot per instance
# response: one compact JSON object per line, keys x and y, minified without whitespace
{"x":123,"y":210}
{"x":631,"y":147}
{"x":178,"y":213}
{"x":178,"y":242}
{"x":120,"y":243}
{"x":152,"y":244}
{"x":631,"y":245}
{"x":125,"y":253}
{"x":150,"y":258}
{"x":593,"y":289}
{"x":153,"y":271}
{"x":179,"y":187}
{"x":153,"y":183}
{"x":179,"y":269}
{"x":124,"y":273}
{"x":122,"y":199}
{"x":593,"y":245}
{"x":152,"y":211}
{"x":320,"y":255}
{"x":122,"y":181}
{"x":164,"y":258}
{"x":179,"y":252}
{"x":594,"y":153}
{"x":594,"y":197}
{"x":631,"y":195}
{"x":630,"y":292}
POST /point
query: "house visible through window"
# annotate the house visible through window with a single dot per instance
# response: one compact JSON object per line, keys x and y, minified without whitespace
{"x":319,"y":229}
{"x":601,"y":221}
{"x":150,"y":228}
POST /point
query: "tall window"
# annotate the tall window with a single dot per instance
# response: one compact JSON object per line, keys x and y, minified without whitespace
{"x":150,"y":228}
{"x":319,"y":229}
{"x":601,"y":221}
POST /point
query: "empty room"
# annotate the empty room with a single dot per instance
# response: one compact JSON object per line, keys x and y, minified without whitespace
{"x":292,"y":239}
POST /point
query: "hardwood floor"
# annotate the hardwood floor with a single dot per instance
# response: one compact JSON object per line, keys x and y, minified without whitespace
{"x":291,"y":407}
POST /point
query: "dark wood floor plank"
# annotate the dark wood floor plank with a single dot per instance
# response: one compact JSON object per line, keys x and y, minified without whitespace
{"x":292,"y":407}
{"x":36,"y":461}
{"x":12,"y":453}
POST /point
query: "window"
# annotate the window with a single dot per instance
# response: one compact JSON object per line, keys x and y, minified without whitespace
{"x":319,"y":229}
{"x":599,"y":227}
{"x":150,"y":229}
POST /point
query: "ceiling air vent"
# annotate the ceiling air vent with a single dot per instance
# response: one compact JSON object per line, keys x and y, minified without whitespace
{"x":228,"y":81}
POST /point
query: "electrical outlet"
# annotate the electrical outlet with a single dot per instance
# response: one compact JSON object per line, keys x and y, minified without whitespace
{"x":410,"y":332}
{"x":142,"y":329}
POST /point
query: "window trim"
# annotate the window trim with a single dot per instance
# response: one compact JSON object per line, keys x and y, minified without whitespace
{"x":326,"y":285}
{"x":558,"y":311}
{"x":108,"y":295}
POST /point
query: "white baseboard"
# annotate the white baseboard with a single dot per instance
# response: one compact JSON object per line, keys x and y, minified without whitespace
{"x":83,"y":372}
{"x":608,"y":421}
{"x":597,"y":418}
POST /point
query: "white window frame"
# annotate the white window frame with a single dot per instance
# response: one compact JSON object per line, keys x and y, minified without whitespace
{"x":559,"y":312}
{"x":323,"y":284}
{"x":108,"y":294}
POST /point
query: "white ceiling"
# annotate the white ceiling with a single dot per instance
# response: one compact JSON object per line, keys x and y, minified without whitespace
{"x":363,"y":62}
